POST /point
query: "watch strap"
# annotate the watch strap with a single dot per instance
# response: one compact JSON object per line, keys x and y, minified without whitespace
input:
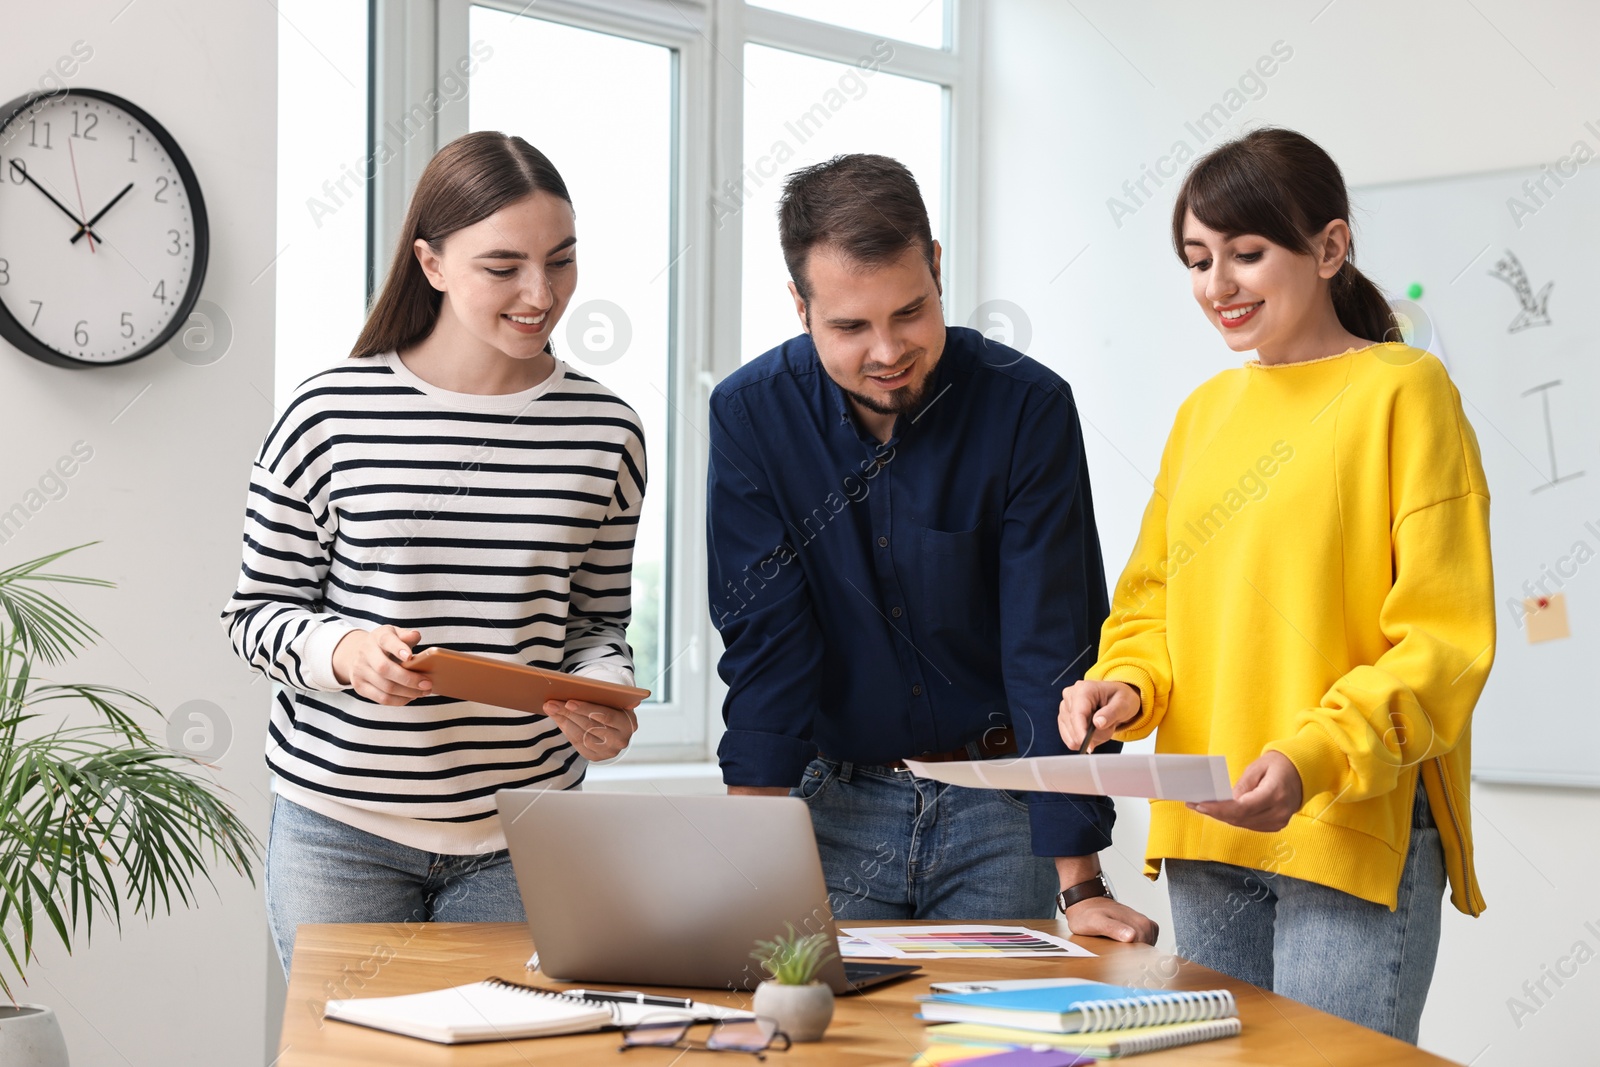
{"x":1094,"y":887}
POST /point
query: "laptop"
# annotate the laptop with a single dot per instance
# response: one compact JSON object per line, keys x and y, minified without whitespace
{"x":648,"y":889}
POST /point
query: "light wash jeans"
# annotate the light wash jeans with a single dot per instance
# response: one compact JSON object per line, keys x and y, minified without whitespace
{"x":898,"y":847}
{"x":320,"y":870}
{"x":1336,"y":952}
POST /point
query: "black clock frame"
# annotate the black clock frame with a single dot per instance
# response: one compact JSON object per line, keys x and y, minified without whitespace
{"x":19,"y":336}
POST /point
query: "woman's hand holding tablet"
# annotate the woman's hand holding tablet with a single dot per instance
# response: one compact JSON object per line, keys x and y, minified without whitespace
{"x":596,"y":731}
{"x":372,"y":663}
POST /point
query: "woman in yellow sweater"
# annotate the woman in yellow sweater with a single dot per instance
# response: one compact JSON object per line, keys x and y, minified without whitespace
{"x":1310,"y":597}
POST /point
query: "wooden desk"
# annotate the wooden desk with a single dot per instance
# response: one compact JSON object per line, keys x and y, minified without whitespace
{"x":378,"y":959}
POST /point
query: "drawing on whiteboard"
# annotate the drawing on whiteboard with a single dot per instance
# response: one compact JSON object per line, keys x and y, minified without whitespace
{"x":1535,"y":310}
{"x":1550,"y":435}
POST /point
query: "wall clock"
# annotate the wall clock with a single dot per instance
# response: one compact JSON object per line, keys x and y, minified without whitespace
{"x":103,"y":233}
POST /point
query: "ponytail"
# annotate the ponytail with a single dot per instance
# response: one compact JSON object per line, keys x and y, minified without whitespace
{"x":1361,"y":307}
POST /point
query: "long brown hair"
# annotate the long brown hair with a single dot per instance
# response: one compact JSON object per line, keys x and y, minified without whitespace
{"x":468,"y":180}
{"x":1281,"y":185}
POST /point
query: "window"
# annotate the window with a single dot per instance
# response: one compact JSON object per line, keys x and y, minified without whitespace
{"x":674,"y":123}
{"x":800,"y":110}
{"x":917,"y":21}
{"x":618,"y":169}
{"x":320,"y":269}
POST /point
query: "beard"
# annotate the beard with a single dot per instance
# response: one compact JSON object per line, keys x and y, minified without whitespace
{"x":902,"y":401}
{"x":906,"y":400}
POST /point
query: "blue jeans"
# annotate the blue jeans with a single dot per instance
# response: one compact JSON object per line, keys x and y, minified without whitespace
{"x":898,"y":847}
{"x":1336,"y":952}
{"x":319,"y":870}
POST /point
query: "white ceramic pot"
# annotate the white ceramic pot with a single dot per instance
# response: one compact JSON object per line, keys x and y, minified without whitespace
{"x":801,"y":1011}
{"x":31,"y":1037}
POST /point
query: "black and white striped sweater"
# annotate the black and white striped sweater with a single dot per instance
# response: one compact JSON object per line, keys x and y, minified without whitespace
{"x":502,"y":525}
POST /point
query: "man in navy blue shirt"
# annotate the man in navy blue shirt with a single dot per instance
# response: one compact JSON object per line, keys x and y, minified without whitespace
{"x":904,"y":564}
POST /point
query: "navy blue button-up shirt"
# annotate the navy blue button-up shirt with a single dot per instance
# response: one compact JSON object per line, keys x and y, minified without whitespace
{"x":880,"y":600}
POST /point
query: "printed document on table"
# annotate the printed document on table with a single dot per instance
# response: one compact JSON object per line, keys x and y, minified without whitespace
{"x":963,"y":941}
{"x":1115,"y":774}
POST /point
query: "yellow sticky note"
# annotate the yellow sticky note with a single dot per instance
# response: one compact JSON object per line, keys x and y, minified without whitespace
{"x":1547,"y":618}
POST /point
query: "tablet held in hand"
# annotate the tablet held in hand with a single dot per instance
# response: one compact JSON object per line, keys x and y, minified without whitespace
{"x":466,"y":676}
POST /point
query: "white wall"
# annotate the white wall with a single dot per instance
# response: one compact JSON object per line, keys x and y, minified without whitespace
{"x":164,"y":494}
{"x":1078,"y":99}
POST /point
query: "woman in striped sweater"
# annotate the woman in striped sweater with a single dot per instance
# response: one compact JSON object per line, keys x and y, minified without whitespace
{"x":452,"y":484}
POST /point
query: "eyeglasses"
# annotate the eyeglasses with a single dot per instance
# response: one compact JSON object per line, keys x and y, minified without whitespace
{"x":754,"y":1036}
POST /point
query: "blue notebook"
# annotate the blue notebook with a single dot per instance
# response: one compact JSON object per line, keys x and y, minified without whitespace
{"x":1079,"y":1008}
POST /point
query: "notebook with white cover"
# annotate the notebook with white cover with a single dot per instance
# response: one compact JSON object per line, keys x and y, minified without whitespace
{"x":498,"y":1010}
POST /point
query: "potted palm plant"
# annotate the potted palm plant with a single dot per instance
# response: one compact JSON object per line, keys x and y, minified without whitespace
{"x":792,"y":996}
{"x":95,"y":817}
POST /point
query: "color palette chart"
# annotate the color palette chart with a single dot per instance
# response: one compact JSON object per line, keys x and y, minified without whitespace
{"x":985,"y":941}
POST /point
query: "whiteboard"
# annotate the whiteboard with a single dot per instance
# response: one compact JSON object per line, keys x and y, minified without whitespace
{"x":1511,"y":301}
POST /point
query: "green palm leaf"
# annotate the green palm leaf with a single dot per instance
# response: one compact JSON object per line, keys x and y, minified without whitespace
{"x":95,"y":818}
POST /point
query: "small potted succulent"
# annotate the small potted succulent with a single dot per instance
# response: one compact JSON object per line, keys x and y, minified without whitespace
{"x":792,"y":996}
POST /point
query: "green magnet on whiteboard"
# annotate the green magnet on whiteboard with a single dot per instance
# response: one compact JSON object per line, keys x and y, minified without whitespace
{"x":1414,"y":292}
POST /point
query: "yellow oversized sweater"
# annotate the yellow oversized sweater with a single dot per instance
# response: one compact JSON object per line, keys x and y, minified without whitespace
{"x":1312,"y":576}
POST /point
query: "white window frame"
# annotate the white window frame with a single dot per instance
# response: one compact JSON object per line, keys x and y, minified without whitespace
{"x":414,"y":39}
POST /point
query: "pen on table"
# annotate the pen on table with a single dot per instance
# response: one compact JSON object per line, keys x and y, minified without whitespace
{"x":630,"y":997}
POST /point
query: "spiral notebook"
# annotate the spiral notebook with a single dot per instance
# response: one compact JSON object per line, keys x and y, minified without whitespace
{"x":1079,"y":1008}
{"x":498,"y":1010}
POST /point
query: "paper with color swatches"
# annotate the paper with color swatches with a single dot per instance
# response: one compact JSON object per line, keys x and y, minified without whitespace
{"x":985,"y":941}
{"x":1116,"y":774}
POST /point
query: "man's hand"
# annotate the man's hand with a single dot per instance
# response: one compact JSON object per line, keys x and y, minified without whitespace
{"x":1266,"y":795}
{"x":596,"y":731}
{"x":370,"y":662}
{"x":757,"y":791}
{"x":1092,"y":711}
{"x":1104,"y":917}
{"x":1100,"y":916}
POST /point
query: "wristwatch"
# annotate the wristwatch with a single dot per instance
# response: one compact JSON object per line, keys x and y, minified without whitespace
{"x":1094,"y":887}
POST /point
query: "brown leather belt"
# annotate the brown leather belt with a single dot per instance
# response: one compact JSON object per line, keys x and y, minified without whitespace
{"x":999,"y":741}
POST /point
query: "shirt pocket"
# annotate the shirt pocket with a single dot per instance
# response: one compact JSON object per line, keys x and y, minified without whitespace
{"x":957,"y":576}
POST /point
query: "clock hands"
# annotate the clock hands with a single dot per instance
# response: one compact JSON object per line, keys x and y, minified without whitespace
{"x":79,"y":187}
{"x":16,"y":166}
{"x":99,"y":215}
